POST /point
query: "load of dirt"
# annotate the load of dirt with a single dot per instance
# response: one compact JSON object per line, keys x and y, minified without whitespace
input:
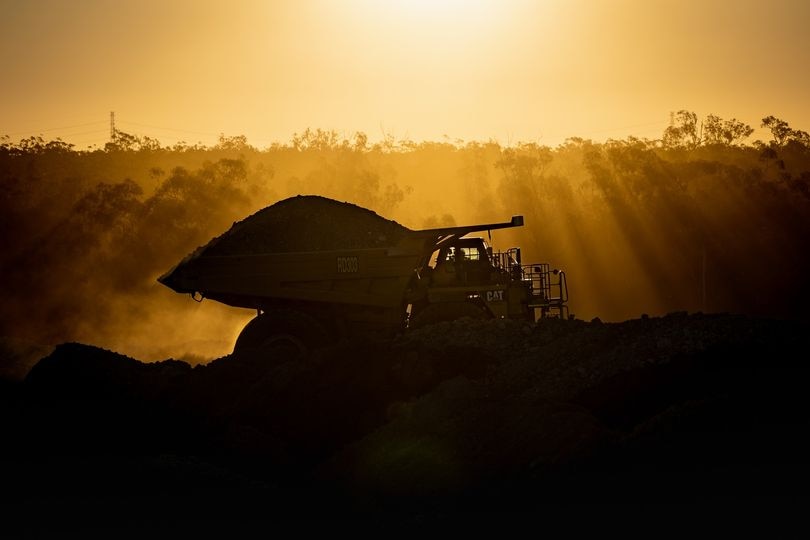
{"x":306,"y":223}
{"x":466,"y":415}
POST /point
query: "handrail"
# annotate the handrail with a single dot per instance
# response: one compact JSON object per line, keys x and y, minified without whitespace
{"x":443,"y":235}
{"x":563,"y":284}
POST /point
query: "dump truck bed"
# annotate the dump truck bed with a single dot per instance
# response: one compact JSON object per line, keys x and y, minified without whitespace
{"x":375,"y":277}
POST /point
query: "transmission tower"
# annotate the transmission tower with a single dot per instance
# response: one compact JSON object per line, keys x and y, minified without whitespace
{"x":112,"y":126}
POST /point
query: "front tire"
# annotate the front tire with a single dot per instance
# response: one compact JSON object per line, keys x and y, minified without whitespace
{"x":280,"y":335}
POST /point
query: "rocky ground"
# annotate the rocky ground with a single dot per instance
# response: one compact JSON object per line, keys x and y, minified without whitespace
{"x":469,"y":418}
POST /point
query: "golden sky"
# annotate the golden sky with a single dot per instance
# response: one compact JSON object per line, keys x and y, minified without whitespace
{"x":508,"y":70}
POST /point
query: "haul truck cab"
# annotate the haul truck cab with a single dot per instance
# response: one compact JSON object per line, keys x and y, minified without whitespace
{"x":466,"y":278}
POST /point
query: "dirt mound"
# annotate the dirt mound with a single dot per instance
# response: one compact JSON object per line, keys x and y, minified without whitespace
{"x":306,"y":223}
{"x":469,"y":414}
{"x":563,"y":394}
{"x":76,"y":370}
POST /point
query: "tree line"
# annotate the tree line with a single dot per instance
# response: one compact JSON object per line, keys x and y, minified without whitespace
{"x":698,"y":219}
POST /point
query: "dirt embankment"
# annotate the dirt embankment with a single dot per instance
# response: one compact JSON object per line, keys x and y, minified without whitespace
{"x":461,"y":416}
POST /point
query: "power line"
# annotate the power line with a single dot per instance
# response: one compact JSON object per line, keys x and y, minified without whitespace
{"x":168,"y":128}
{"x":84,"y":133}
{"x":30,"y":131}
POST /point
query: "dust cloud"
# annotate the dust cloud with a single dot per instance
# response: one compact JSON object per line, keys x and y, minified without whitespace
{"x":690,"y":222}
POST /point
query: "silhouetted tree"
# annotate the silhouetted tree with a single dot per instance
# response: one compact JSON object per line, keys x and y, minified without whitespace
{"x":360,"y":141}
{"x":684,"y":132}
{"x":719,"y":131}
{"x":236,"y":143}
{"x":783,"y":134}
{"x":126,"y":142}
{"x":318,"y":139}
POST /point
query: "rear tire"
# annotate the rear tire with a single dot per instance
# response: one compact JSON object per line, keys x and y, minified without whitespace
{"x":280,"y":335}
{"x":446,"y":311}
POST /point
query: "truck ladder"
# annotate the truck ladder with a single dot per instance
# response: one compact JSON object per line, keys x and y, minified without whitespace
{"x":549,"y":290}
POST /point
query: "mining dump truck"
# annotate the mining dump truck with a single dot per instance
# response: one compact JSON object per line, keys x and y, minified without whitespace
{"x":318,"y":270}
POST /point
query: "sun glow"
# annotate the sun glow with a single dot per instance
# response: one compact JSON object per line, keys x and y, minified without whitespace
{"x":539,"y":70}
{"x":457,"y":9}
{"x":442,"y":19}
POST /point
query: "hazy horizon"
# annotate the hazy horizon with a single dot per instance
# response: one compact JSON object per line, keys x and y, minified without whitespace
{"x":506,"y":71}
